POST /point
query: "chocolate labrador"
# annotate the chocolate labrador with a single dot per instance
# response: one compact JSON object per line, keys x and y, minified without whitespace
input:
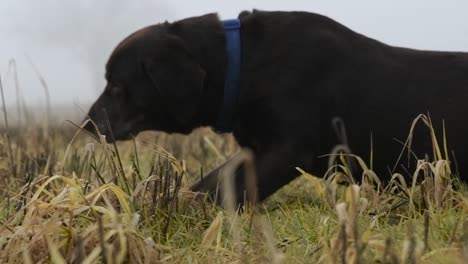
{"x":279,"y":81}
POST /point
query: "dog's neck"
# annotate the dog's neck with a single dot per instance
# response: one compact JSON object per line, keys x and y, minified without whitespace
{"x":206,"y":40}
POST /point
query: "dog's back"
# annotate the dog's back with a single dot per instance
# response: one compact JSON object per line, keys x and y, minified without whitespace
{"x":302,"y":70}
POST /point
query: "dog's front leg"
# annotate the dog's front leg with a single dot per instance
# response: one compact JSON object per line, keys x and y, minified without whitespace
{"x":277,"y":168}
{"x":210,"y":183}
{"x":274,"y":169}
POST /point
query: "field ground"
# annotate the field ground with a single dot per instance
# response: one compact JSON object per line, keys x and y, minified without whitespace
{"x":66,"y":199}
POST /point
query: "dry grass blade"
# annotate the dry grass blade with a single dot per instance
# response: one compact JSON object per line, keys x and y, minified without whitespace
{"x":54,"y":253}
{"x":46,"y":91}
{"x":213,"y":233}
{"x":212,"y":146}
{"x":14,"y":69}
{"x":229,"y":201}
{"x":5,"y":117}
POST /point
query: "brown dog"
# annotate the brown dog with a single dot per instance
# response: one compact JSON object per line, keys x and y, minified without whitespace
{"x":298,"y":72}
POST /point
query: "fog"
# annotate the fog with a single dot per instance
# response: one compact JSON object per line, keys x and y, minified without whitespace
{"x":69,"y":41}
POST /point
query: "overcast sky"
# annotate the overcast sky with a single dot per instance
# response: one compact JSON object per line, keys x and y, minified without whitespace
{"x":70,"y":40}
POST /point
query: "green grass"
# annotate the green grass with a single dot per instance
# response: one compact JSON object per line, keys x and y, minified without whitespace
{"x":129,"y":203}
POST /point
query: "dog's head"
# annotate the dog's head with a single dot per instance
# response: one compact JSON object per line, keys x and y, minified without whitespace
{"x":153,"y":83}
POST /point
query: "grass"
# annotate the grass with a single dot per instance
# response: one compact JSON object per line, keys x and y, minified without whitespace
{"x":91,"y":206}
{"x":67,"y":198}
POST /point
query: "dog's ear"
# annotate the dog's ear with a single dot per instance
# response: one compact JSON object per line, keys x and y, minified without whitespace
{"x":178,"y":79}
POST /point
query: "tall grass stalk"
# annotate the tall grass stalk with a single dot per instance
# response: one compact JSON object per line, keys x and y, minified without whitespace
{"x":45,"y":86}
{"x":7,"y":133}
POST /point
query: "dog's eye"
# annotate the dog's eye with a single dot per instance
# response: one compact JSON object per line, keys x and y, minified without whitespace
{"x":117,"y":90}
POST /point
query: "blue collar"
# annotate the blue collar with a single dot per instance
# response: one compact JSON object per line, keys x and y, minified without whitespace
{"x":232,"y":77}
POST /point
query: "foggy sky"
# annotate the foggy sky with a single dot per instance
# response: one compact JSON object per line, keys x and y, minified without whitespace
{"x":70,"y":40}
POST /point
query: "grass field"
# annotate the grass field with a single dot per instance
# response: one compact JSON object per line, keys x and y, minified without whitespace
{"x":67,"y":199}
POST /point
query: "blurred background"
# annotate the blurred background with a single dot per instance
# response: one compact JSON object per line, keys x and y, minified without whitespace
{"x":67,"y":42}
